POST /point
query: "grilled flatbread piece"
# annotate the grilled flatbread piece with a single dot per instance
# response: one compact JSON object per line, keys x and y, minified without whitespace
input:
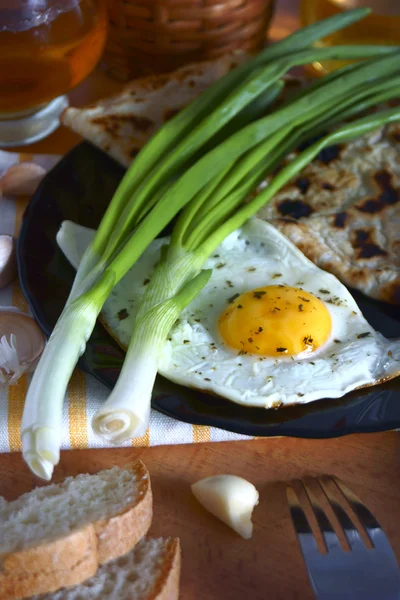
{"x":343,"y":212}
{"x":122,"y":124}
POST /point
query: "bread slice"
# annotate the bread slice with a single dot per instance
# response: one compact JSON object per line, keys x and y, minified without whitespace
{"x":58,"y":535}
{"x":149,"y":572}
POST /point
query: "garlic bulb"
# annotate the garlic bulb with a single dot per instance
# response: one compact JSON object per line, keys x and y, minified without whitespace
{"x":21,"y":344}
{"x":21,"y":179}
{"x":8,"y":260}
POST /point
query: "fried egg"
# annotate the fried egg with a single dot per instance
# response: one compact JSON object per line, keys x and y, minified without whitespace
{"x":269,"y":329}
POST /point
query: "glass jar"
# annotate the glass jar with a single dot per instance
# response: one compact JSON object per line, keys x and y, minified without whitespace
{"x":46,"y":48}
{"x":382,"y":26}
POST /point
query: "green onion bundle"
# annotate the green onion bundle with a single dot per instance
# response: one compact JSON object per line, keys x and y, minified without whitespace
{"x":204,"y":163}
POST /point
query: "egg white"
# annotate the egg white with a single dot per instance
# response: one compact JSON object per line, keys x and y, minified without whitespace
{"x":195,"y":355}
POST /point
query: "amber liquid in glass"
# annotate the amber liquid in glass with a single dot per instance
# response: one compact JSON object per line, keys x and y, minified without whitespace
{"x":381,"y":27}
{"x":46,"y":49}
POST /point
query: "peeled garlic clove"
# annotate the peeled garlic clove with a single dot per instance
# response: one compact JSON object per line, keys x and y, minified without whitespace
{"x":21,"y":179}
{"x":21,"y":344}
{"x":8,"y":260}
{"x":230,"y":498}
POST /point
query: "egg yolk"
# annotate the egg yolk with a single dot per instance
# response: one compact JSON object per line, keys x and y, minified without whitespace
{"x":275,"y":320}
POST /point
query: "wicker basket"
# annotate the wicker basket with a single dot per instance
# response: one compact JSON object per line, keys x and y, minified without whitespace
{"x":149,"y":36}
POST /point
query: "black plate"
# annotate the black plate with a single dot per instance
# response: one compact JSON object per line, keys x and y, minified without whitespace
{"x":79,"y":188}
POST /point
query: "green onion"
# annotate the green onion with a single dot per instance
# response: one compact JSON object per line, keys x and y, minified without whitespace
{"x":175,"y":129}
{"x":247,"y":92}
{"x":190,"y":158}
{"x":210,"y":165}
{"x":250,"y":170}
{"x":344,"y":134}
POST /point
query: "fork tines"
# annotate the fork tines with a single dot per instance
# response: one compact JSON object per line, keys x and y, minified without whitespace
{"x":326,"y":506}
{"x":347,"y":554}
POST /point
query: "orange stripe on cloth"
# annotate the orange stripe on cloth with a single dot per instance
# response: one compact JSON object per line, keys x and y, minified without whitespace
{"x":143,"y":440}
{"x":17,"y":393}
{"x":18,"y":299}
{"x":77,"y":417}
{"x":201,"y":433}
{"x":25,"y":157}
{"x":16,"y":400}
{"x":20,"y":205}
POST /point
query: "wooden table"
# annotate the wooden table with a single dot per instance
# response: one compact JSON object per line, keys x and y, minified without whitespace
{"x":217,"y":564}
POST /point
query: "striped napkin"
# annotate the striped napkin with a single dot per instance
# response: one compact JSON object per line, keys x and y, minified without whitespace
{"x":85,"y":394}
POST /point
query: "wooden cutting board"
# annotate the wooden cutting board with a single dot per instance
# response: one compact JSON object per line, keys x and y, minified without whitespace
{"x":217,"y":563}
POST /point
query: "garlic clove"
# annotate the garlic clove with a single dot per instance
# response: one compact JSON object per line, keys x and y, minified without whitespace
{"x":230,"y":498}
{"x":21,"y":179}
{"x":8,"y":260}
{"x":21,"y":344}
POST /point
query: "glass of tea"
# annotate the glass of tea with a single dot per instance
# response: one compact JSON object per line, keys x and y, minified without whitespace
{"x":46,"y":48}
{"x":382,"y":26}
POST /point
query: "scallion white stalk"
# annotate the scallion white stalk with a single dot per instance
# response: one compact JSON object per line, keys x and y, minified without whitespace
{"x":126,"y":413}
{"x":41,"y":421}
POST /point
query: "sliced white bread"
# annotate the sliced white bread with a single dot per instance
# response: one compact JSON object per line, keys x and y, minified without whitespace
{"x":148,"y":572}
{"x":58,"y":535}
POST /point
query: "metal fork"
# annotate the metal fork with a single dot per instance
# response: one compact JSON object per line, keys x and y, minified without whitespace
{"x":367,"y":569}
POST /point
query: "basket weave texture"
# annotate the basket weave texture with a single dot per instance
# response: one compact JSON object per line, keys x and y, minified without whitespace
{"x":149,"y":36}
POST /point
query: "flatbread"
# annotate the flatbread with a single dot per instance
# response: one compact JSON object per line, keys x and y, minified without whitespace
{"x":122,"y":124}
{"x":343,"y":212}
